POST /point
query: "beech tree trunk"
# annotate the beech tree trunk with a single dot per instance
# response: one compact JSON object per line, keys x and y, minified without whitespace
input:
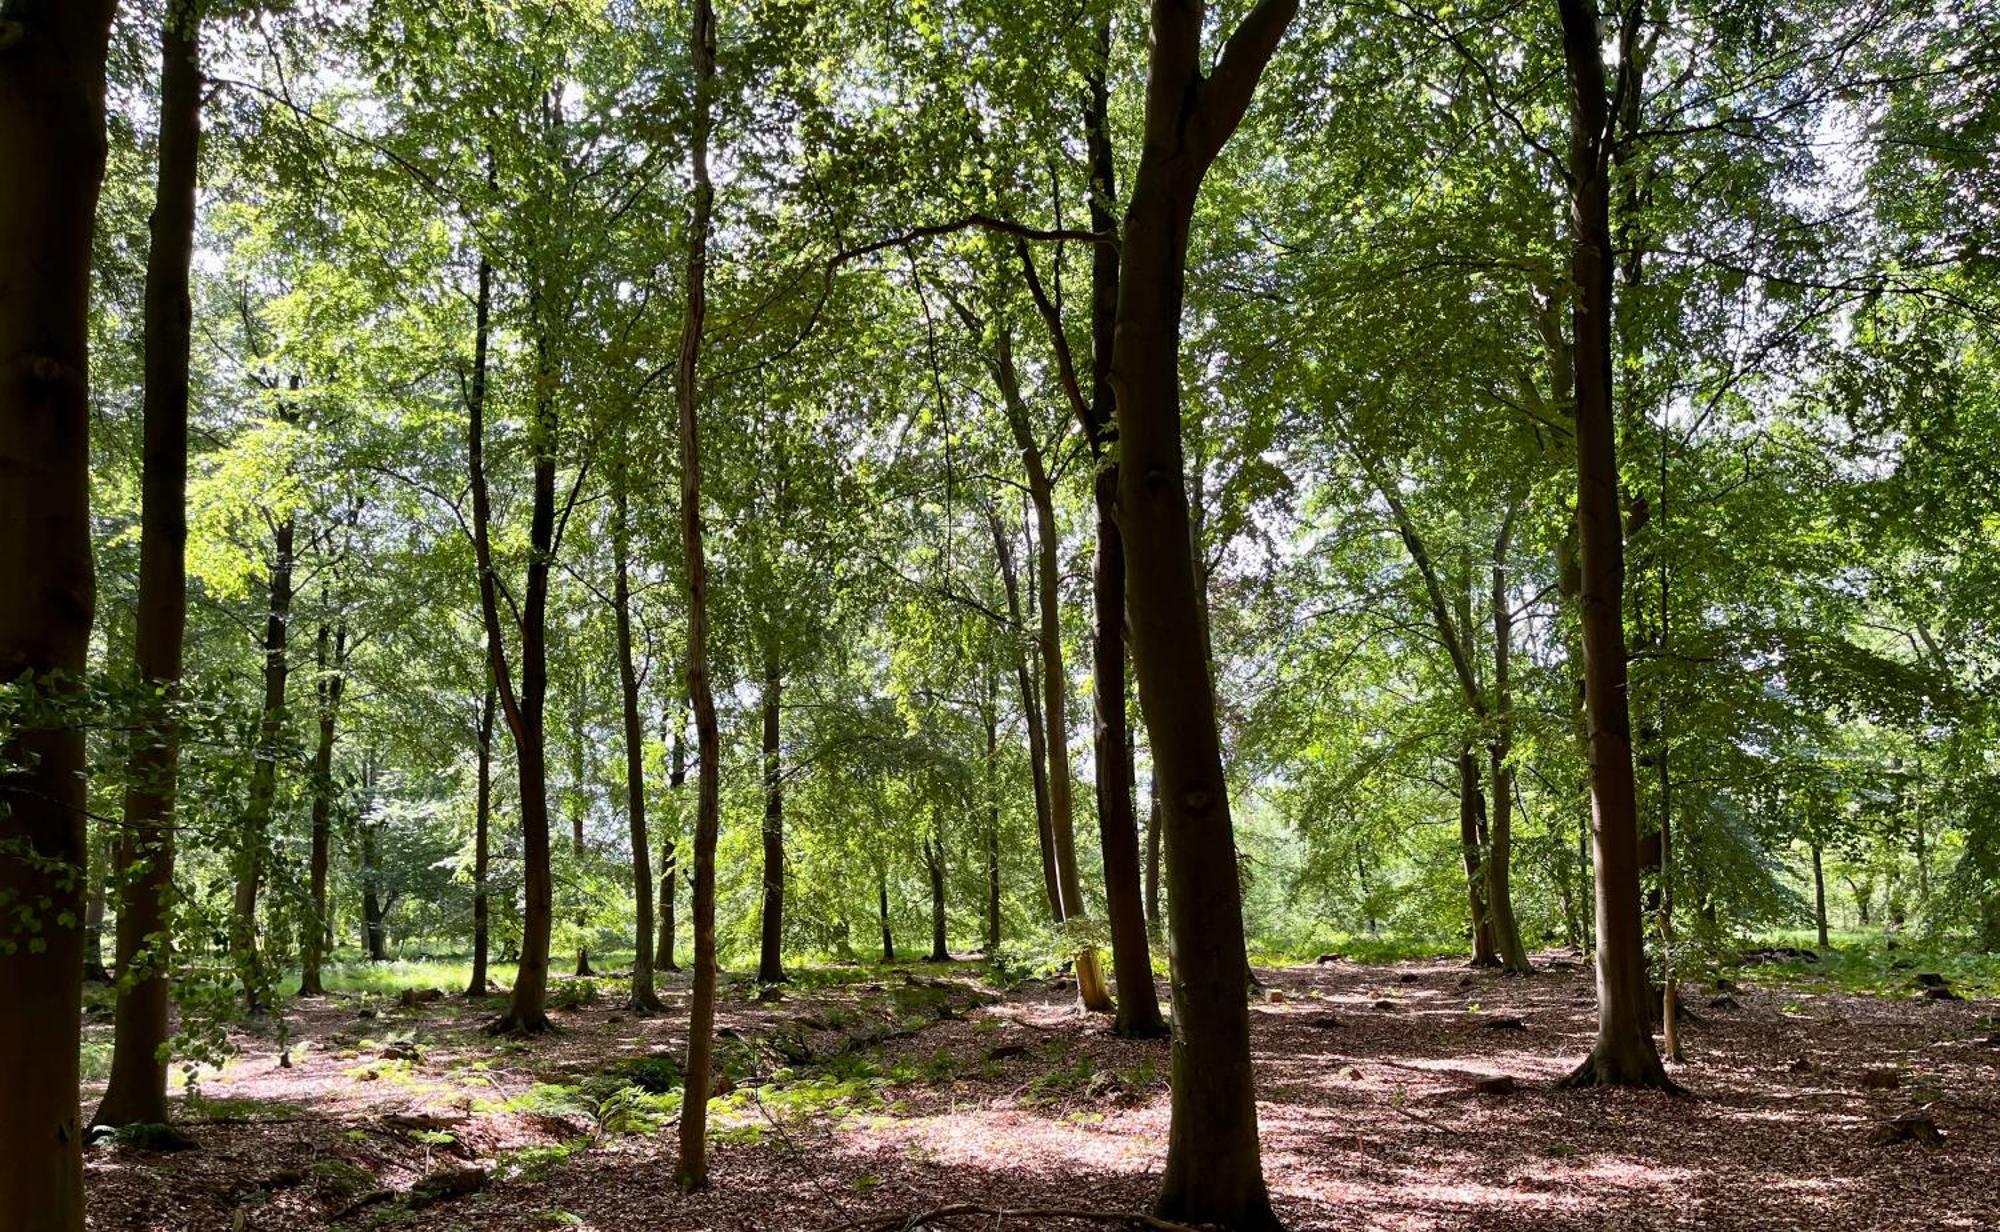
{"x":1819,"y":895}
{"x":481,"y":845}
{"x":771,"y":953}
{"x":1624,"y":1054}
{"x":691,"y":1172}
{"x":1031,"y":712}
{"x":578,"y":809}
{"x":53,"y":147}
{"x":144,"y":856}
{"x":644,"y":1000}
{"x":1472,"y":841}
{"x":374,"y":927}
{"x":992,"y":717}
{"x":663,"y":954}
{"x":525,"y":708}
{"x":255,"y":838}
{"x":327,"y":688}
{"x":882,"y":908}
{"x":1512,"y":953}
{"x":1214,"y":1169}
{"x":934,"y":865}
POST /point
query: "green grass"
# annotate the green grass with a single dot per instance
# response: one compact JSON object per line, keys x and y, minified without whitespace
{"x":1860,"y":963}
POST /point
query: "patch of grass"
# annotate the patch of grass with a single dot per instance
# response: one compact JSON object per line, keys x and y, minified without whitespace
{"x":94,"y":1058}
{"x":1861,"y":964}
{"x":534,"y":1163}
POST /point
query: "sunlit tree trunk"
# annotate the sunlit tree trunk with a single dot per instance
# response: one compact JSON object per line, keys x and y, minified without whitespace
{"x":1472,"y":843}
{"x":1513,"y":955}
{"x":1214,"y":1170}
{"x":1624,"y":1054}
{"x":1032,"y":715}
{"x":882,"y":909}
{"x":254,"y":839}
{"x":691,"y":1172}
{"x":663,"y":954}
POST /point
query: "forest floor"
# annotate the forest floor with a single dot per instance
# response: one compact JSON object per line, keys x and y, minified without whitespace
{"x":867,"y":1094}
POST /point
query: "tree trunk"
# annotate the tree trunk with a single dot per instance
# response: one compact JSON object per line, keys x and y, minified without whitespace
{"x":1472,"y":842}
{"x":691,"y":1172}
{"x":992,"y":717}
{"x":770,"y":955}
{"x":52,"y":140}
{"x":525,"y":710}
{"x":255,"y":837}
{"x":327,"y":688}
{"x":137,"y":1091}
{"x":882,"y":907}
{"x":663,"y":954}
{"x":934,"y":865}
{"x":644,"y":1000}
{"x":374,"y":932}
{"x":1500,"y":849}
{"x":1032,"y":714}
{"x":481,"y":845}
{"x":1623,"y":1054}
{"x":1214,"y":1170}
{"x":579,"y":809}
{"x":1819,"y":895}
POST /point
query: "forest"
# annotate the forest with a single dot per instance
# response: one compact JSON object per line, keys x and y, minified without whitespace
{"x":940,"y":614}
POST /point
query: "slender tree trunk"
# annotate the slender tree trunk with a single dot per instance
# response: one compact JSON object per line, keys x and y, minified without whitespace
{"x":1472,"y":841}
{"x":934,"y":865}
{"x":1031,"y":711}
{"x":1819,"y":896}
{"x":525,"y":710}
{"x":579,"y":808}
{"x":374,"y":930}
{"x":137,"y":1091}
{"x":663,"y":954}
{"x":992,"y":717}
{"x":1214,"y":1170}
{"x":255,"y":838}
{"x":771,"y":956}
{"x":52,"y":142}
{"x":481,"y":844}
{"x":882,"y":907}
{"x":1500,"y":850}
{"x":327,"y":689}
{"x":1624,"y":1054}
{"x":1153,"y":920}
{"x":691,"y":1173}
{"x":644,"y":999}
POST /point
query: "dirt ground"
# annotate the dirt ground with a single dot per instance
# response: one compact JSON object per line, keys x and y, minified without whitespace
{"x":1365,"y":1096}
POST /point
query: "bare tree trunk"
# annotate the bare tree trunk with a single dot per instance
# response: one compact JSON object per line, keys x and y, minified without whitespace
{"x":1624,"y":1054}
{"x":770,"y":957}
{"x":374,"y":930}
{"x":1214,"y":1170}
{"x":525,"y":710}
{"x":644,"y":1000}
{"x":1031,"y":711}
{"x":882,"y":907}
{"x":579,"y":809}
{"x":255,"y":839}
{"x":52,"y":142}
{"x":1500,"y":849}
{"x":663,"y":954}
{"x":991,"y":714}
{"x":1819,"y":896}
{"x":481,"y":844}
{"x":327,"y":687}
{"x":137,"y":1091}
{"x":691,"y":1173}
{"x":1472,"y":841}
{"x":934,"y":865}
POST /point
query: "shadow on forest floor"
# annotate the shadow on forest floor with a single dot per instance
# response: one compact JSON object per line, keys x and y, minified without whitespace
{"x":865,"y":1093}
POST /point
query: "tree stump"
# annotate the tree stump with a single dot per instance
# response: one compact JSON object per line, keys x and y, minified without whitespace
{"x":1912,"y":1126}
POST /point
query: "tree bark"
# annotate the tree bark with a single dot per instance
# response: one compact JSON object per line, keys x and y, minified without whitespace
{"x":1624,"y":1054}
{"x":1512,"y":953}
{"x":327,"y":688}
{"x":374,"y":929}
{"x":663,"y":954}
{"x":1031,"y":711}
{"x":579,"y":808}
{"x":771,"y":950}
{"x":1472,"y":841}
{"x":482,"y":845}
{"x":1819,"y":896}
{"x":644,"y":999}
{"x":991,"y":714}
{"x":934,"y":865}
{"x":255,"y":838}
{"x":525,"y":709}
{"x":691,"y":1172}
{"x":137,"y":1090}
{"x":882,"y":908}
{"x":1214,"y":1170}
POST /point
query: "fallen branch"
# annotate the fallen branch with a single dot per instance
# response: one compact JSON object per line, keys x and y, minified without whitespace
{"x":908,"y":1223}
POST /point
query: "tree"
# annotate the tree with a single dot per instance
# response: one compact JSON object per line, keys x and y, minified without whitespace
{"x":644,"y":999}
{"x":137,"y":1090}
{"x":52,"y":137}
{"x":1214,"y":1171}
{"x":1623,"y":1054}
{"x":691,"y":1171}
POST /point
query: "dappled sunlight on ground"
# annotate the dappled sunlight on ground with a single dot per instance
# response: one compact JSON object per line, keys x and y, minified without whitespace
{"x":868,"y":1092}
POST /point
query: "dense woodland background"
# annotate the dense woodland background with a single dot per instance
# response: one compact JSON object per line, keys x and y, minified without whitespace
{"x":443,"y":320}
